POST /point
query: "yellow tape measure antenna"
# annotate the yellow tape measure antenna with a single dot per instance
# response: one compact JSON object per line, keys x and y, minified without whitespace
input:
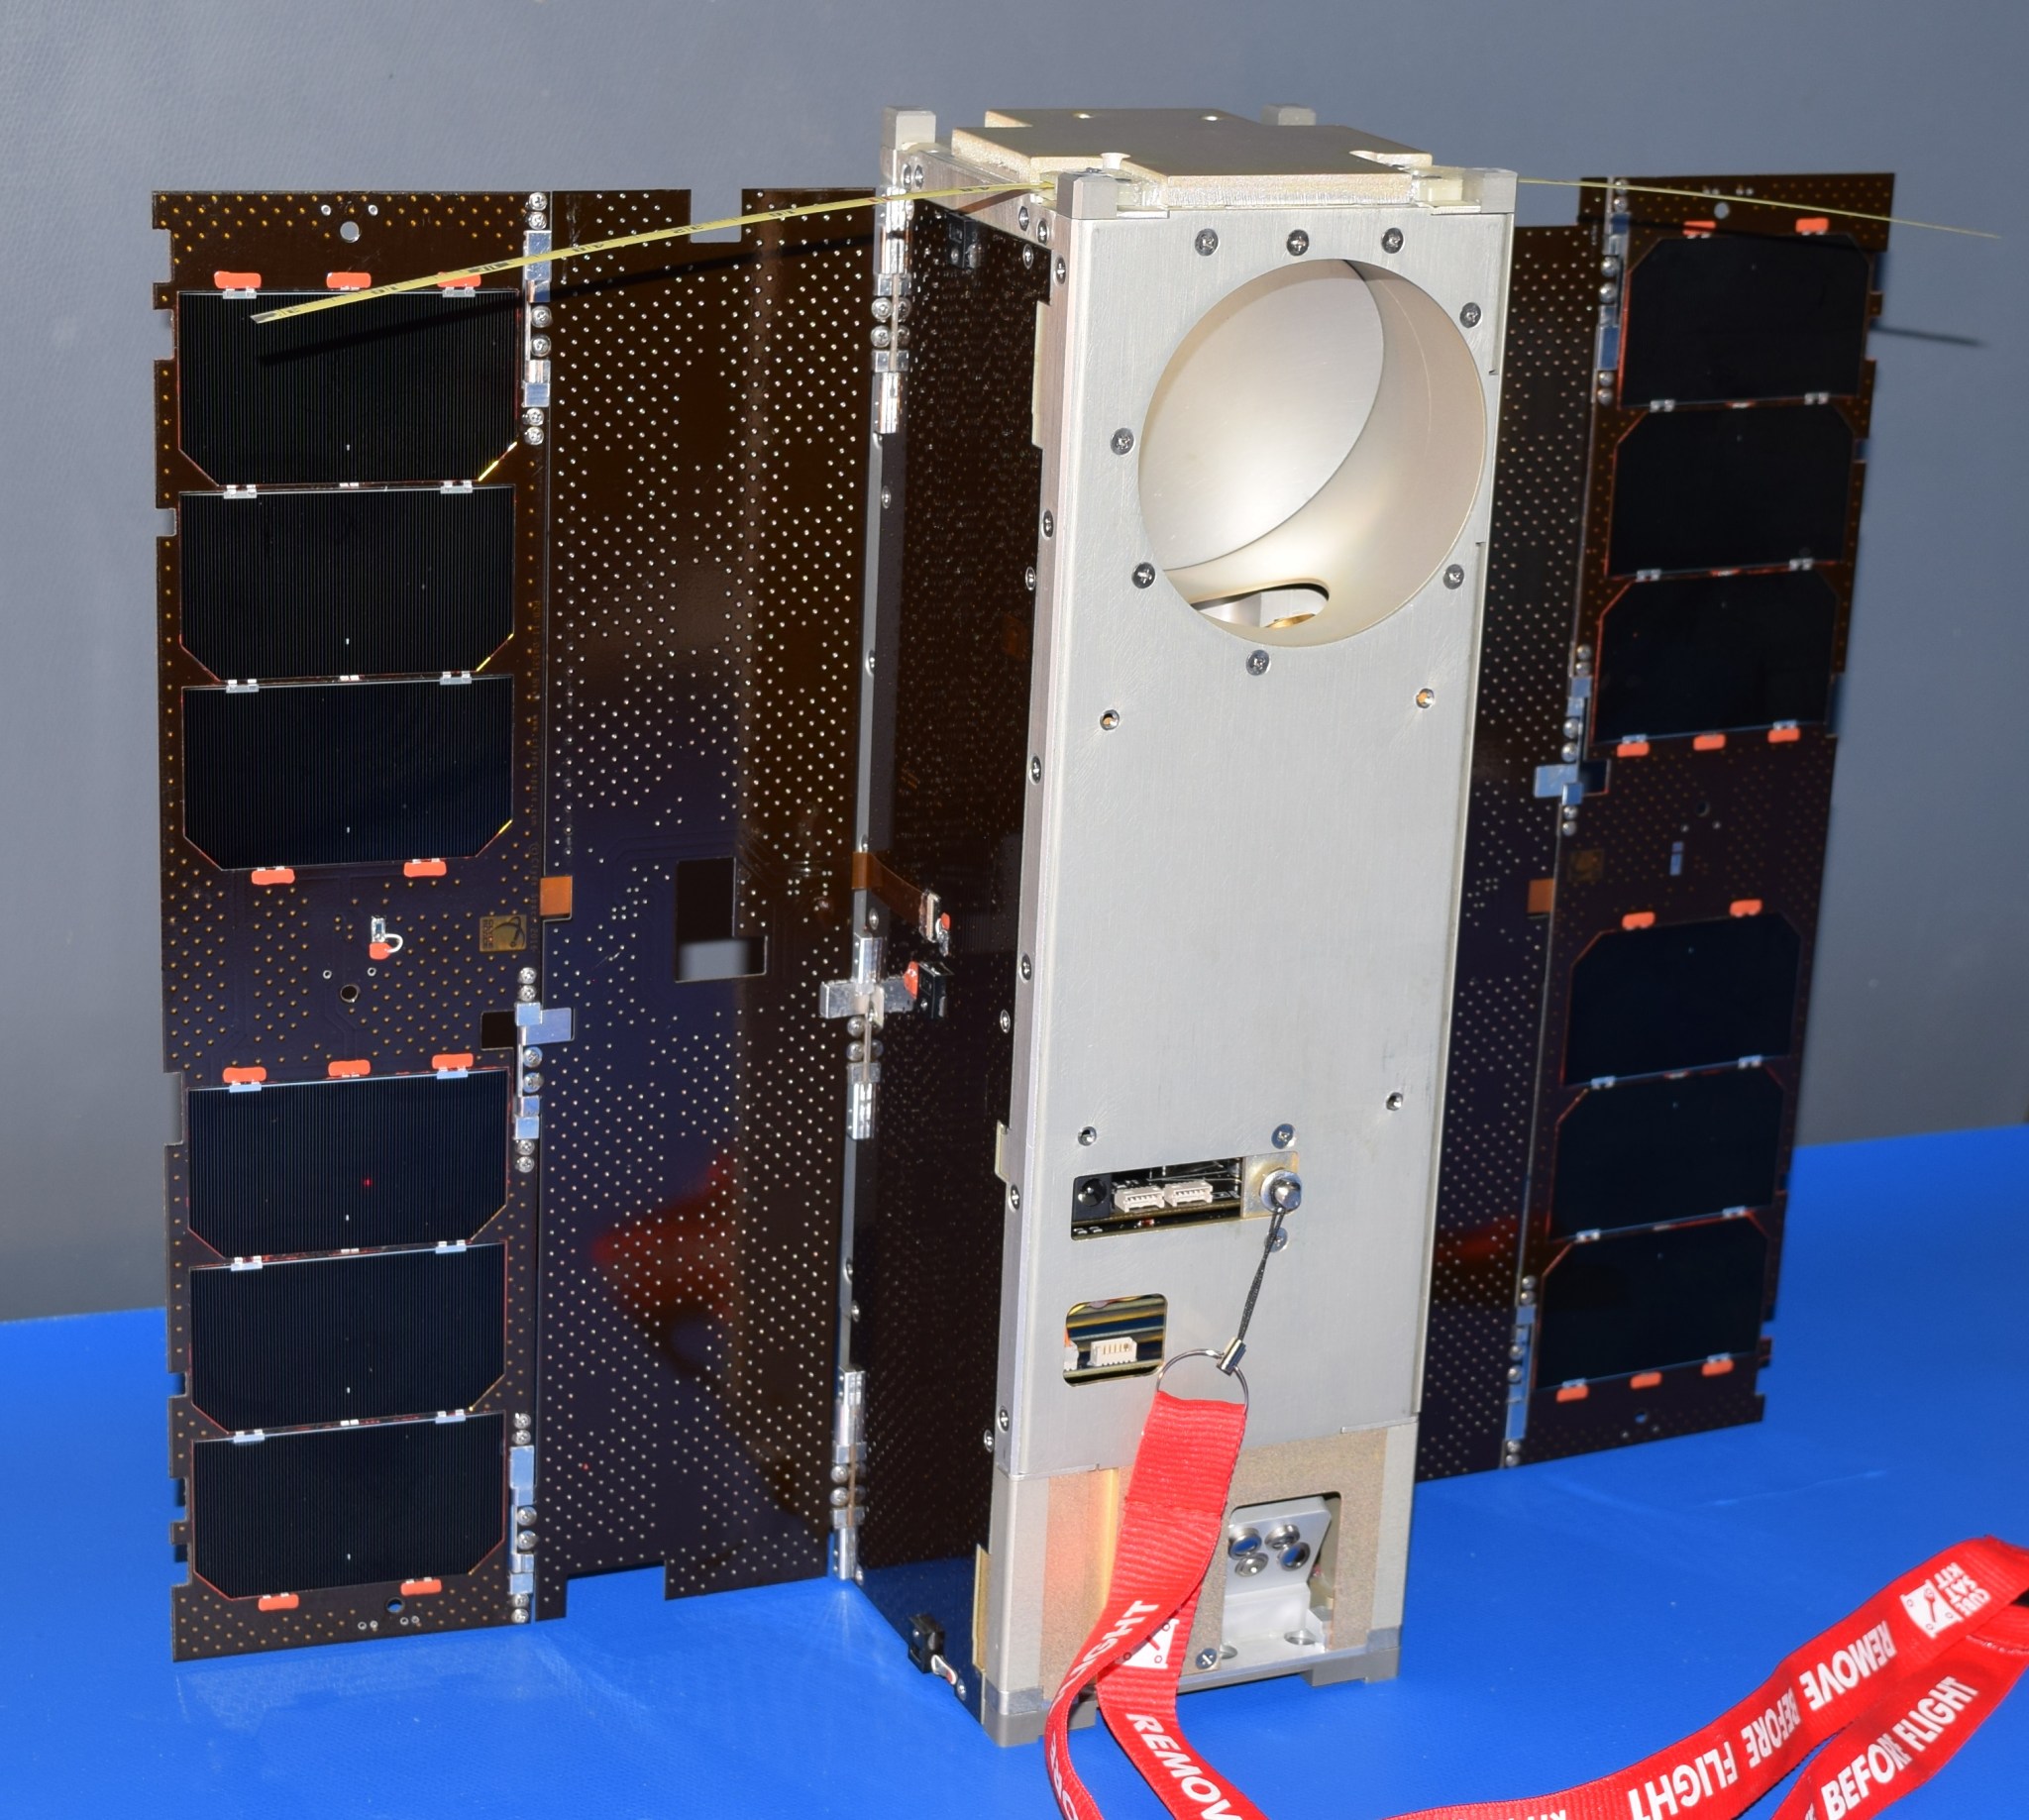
{"x":1737,"y":202}
{"x":436,"y":279}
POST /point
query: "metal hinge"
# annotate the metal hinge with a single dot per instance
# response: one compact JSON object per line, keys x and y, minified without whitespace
{"x":864,"y":1000}
{"x":848,"y":1470}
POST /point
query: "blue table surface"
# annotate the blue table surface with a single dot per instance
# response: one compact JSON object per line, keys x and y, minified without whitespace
{"x":1562,"y":1620}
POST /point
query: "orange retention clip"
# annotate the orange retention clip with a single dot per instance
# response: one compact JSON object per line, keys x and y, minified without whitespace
{"x":912,"y":978}
{"x":237,"y":281}
{"x":414,"y":1589}
{"x":1574,"y":1393}
{"x":348,"y":1071}
{"x":1638,"y":919}
{"x":553,"y":895}
{"x":278,"y":1601}
{"x":244,"y":1077}
{"x":1709,"y":742}
{"x":274,"y":875}
{"x":1632,"y":748}
{"x":468,"y":281}
{"x":1813,"y":224}
{"x":451,"y":1062}
{"x":1716,"y":1367}
{"x":378,"y":950}
{"x":1782,"y":736}
{"x":424,"y":869}
{"x":348,"y":280}
{"x":1746,"y":907}
{"x":1701,"y":227}
{"x":1645,"y":1381}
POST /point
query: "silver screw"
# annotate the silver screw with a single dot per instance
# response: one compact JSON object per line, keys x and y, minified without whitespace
{"x":1425,"y":696}
{"x":1035,"y":770}
{"x":1028,"y":578}
{"x":519,"y":1614}
{"x":532,"y":415}
{"x":1029,"y":256}
{"x":533,"y":435}
{"x":887,"y":497}
{"x":1027,"y":968}
{"x":538,"y":221}
{"x":1278,"y":1238}
{"x":524,"y":1165}
{"x":1514,"y":1375}
{"x":1144,"y":575}
{"x":1282,"y":1191}
{"x":1208,"y":1658}
{"x":1062,"y":271}
{"x":1609,"y":291}
{"x":1007,"y":1021}
{"x":883,"y":309}
{"x":1569,"y":750}
{"x":525,"y":1516}
{"x":1257,"y":663}
{"x":531,"y":1057}
{"x":1299,"y":242}
{"x":526,"y":993}
{"x":1124,"y":440}
{"x":1527,"y":1282}
{"x":532,"y":1083}
{"x":1110,"y":719}
{"x":1049,"y":524}
{"x":1043,"y":230}
{"x":987,"y":1441}
{"x":1284,"y":1136}
{"x":1021,"y":218}
{"x":881,"y":338}
{"x":1394,"y":1103}
{"x":540,"y":316}
{"x":1206,"y":242}
{"x":527,"y":976}
{"x":1469,"y":315}
{"x":1089,"y":1136}
{"x":539,"y":346}
{"x":536,"y":199}
{"x":524,"y":1146}
{"x":1454,"y":575}
{"x":1001,"y":1419}
{"x":1391,"y":242}
{"x":1610,"y":265}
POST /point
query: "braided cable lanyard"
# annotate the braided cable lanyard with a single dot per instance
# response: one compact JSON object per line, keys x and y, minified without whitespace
{"x":1890,"y":1693}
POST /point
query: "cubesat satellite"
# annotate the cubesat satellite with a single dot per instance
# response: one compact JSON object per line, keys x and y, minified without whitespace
{"x":751,"y":944}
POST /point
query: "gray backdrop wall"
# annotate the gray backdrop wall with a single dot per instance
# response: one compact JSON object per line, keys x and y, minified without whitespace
{"x":1924,"y":969}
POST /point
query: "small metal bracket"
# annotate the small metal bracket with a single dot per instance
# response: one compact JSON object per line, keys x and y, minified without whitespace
{"x":864,"y":1000}
{"x":848,"y":1465}
{"x":543,"y":1024}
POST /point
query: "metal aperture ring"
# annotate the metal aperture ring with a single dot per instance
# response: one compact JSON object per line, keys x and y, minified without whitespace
{"x":1214,"y":1353}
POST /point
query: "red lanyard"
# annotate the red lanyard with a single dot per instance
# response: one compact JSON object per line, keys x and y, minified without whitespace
{"x":1890,"y":1693}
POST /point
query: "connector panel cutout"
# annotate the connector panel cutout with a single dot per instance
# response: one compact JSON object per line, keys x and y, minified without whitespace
{"x":1119,"y":1336}
{"x":1170,"y":1193}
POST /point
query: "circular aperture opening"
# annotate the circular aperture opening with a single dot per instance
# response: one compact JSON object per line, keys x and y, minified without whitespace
{"x":1312,"y":452}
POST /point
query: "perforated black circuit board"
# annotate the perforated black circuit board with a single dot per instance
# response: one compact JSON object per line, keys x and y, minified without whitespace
{"x":327,"y":874}
{"x":1612,"y":1189}
{"x":710,"y":430}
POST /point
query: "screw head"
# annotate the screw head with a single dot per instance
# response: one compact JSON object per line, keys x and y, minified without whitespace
{"x":1391,"y":242}
{"x":1110,"y":719}
{"x":1028,"y":578}
{"x":986,"y":1440}
{"x":1469,"y":315}
{"x":1061,"y":269}
{"x":1282,"y":1191}
{"x":1283,"y":1136}
{"x":881,"y":338}
{"x":1089,"y":1136}
{"x":519,"y":1615}
{"x":1013,"y":1197}
{"x":532,"y":415}
{"x":524,"y":1165}
{"x":1250,"y":1565}
{"x":531,"y":1057}
{"x":1425,"y":696}
{"x":1001,"y":1417}
{"x":1394,"y":1101}
{"x":1007,"y":1021}
{"x":1299,"y":242}
{"x":526,"y":993}
{"x":1049,"y":524}
{"x":1043,"y":230}
{"x":1277,"y":1239}
{"x":536,"y":199}
{"x":1257,"y":663}
{"x":1454,"y":575}
{"x":1206,"y":242}
{"x":1035,"y":770}
{"x":540,"y":316}
{"x":1021,"y":218}
{"x":1514,"y":1375}
{"x":1029,"y":256}
{"x":1124,"y":440}
{"x":1144,"y":575}
{"x":1027,"y":968}
{"x":539,"y":346}
{"x":533,"y":435}
{"x":1208,"y":1658}
{"x":526,"y":976}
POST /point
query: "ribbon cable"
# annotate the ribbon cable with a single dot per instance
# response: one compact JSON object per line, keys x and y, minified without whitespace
{"x":1889,"y":1694}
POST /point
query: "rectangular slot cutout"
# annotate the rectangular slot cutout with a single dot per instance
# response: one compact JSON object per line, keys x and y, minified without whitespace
{"x":1173,"y":1194}
{"x":708,"y":944}
{"x":1121,"y":1337}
